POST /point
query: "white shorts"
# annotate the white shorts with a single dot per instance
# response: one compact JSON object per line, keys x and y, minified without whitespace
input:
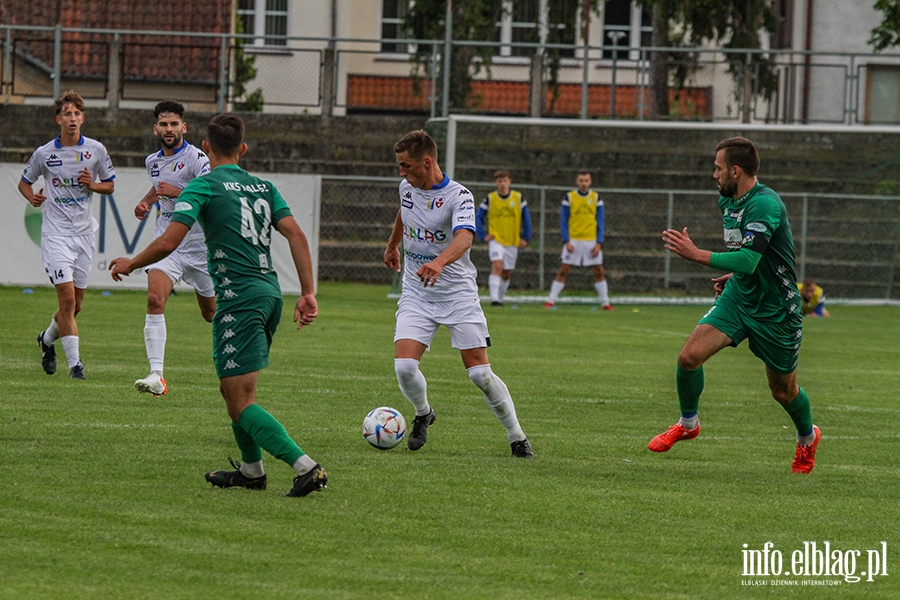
{"x":508,"y":254}
{"x":581,"y":257}
{"x":419,"y":320}
{"x":189,"y":266}
{"x":68,"y":258}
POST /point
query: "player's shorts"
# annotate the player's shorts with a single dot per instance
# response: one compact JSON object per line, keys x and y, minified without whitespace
{"x":189,"y":266}
{"x":776,"y":344}
{"x":242,"y":335}
{"x":508,"y":254}
{"x":581,"y":257}
{"x":419,"y":320}
{"x":68,"y":258}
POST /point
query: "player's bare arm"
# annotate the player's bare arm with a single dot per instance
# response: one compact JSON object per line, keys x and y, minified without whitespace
{"x":462,"y":241}
{"x":392,"y":252}
{"x":100,"y":187}
{"x":142,"y":209}
{"x":719,"y":283}
{"x":167,"y":189}
{"x":158,"y":249}
{"x":307,"y":309}
{"x":34,"y":199}
{"x":681,"y":244}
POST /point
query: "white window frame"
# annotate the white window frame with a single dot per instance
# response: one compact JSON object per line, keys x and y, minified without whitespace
{"x":633,"y":34}
{"x":259,"y":24}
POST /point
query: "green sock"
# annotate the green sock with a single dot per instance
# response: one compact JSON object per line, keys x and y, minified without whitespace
{"x":270,"y":434}
{"x":800,"y":413}
{"x":690,"y":386}
{"x":250,"y":450}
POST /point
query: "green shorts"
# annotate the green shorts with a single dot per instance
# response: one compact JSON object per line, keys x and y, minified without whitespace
{"x":242,"y":335}
{"x":776,"y":344}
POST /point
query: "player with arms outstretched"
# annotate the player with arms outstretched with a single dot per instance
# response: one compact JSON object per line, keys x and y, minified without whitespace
{"x":757,"y":300}
{"x":237,"y":212}
{"x":170,"y":170}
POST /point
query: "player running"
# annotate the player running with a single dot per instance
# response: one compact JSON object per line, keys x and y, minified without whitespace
{"x":170,"y":170}
{"x":71,"y":166}
{"x":758,"y":300}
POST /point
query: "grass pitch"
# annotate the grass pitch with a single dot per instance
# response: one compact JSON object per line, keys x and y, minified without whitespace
{"x":102,"y":492}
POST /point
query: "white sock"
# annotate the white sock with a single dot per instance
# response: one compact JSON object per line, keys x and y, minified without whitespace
{"x":304,"y":464}
{"x":556,"y":289}
{"x":70,"y":347}
{"x":602,"y":291}
{"x":254,"y":469}
{"x":504,"y":285}
{"x":494,"y":287}
{"x":806,"y":440}
{"x":690,"y":422}
{"x":412,"y":384}
{"x":155,"y":341}
{"x":496,"y":394}
{"x":51,"y":334}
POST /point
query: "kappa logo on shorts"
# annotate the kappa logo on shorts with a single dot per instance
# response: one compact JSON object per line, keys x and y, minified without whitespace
{"x":226,"y":281}
{"x":229,"y":294}
{"x":220,"y":254}
{"x":231,"y":364}
{"x":221,"y":269}
{"x":227,"y":318}
{"x":229,"y":349}
{"x":228,"y":334}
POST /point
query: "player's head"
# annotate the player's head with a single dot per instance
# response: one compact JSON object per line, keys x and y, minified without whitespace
{"x":169,"y":125}
{"x":809,"y":287}
{"x":417,"y":158}
{"x":70,"y":113}
{"x":736,"y":161}
{"x":583,"y":181}
{"x":225,"y":136}
{"x":502,"y":181}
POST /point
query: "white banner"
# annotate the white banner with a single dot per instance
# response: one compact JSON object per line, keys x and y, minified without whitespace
{"x":121,"y":234}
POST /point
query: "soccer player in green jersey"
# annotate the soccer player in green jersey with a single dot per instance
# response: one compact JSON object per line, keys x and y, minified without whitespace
{"x":757,"y":300}
{"x":237,"y":212}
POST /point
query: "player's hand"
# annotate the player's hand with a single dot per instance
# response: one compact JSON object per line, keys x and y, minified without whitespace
{"x":306,"y":311}
{"x":679,"y":242}
{"x":488,"y":238}
{"x":120,"y":267}
{"x":596,"y":249}
{"x":38,"y":199}
{"x":142,"y":210}
{"x":522,"y":244}
{"x":570,"y":246}
{"x":719,"y":283}
{"x":85,"y":178}
{"x":392,"y":258}
{"x":429,"y":273}
{"x":167,"y":189}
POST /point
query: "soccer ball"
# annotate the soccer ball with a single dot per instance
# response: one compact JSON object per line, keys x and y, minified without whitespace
{"x":384,"y":427}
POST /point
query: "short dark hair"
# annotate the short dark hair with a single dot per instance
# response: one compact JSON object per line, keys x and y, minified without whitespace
{"x":225,"y":134}
{"x":169,"y":106}
{"x":418,"y":144}
{"x":583,"y":172}
{"x":501,"y":174}
{"x":70,"y":97}
{"x":741,"y":152}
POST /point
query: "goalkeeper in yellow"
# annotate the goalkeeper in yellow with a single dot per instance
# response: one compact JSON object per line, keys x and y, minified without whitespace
{"x":508,"y":229}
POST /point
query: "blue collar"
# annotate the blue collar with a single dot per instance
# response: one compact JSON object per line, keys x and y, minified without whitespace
{"x":183,"y":145}
{"x":59,"y":138}
{"x":443,"y":183}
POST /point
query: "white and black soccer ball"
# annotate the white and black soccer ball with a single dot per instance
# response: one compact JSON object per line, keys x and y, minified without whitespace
{"x":384,"y":427}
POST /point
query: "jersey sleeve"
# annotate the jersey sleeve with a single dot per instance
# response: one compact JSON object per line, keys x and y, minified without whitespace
{"x":105,"y":169}
{"x":280,"y":209}
{"x":33,"y":169}
{"x":191,"y":201}
{"x":601,"y":227}
{"x":199,"y":164}
{"x":761,"y":217}
{"x":463,"y":211}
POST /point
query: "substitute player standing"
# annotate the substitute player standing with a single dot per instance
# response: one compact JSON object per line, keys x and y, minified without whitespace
{"x":237,"y":212}
{"x":170,"y":169}
{"x":71,"y":166}
{"x":757,"y":300}
{"x":436,"y":224}
{"x":581,"y":223}
{"x":508,"y":229}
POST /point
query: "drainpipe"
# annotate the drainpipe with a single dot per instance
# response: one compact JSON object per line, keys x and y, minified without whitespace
{"x":804,"y":117}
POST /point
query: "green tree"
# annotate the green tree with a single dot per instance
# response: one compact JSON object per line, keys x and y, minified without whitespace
{"x":244,"y":72}
{"x":887,"y":34}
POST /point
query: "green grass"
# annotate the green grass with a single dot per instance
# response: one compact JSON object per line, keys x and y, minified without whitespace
{"x":102,"y":492}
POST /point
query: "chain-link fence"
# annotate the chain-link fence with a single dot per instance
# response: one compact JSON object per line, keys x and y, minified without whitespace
{"x":849,"y":244}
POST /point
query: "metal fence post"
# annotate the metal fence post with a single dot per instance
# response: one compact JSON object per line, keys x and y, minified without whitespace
{"x":448,"y":37}
{"x":670,"y":223}
{"x":114,"y":81}
{"x":328,"y":69}
{"x":804,"y":228}
{"x":541,"y":230}
{"x":57,"y":60}
{"x":222,"y":95}
{"x":7,"y":66}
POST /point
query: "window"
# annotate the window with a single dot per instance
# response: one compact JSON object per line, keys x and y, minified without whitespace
{"x":524,"y":21}
{"x":883,"y":97}
{"x":392,"y":14}
{"x":625,"y":25}
{"x":264,"y":18}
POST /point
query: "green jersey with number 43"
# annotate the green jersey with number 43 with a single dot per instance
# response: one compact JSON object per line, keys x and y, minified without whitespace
{"x":758,"y":220}
{"x":236,"y":211}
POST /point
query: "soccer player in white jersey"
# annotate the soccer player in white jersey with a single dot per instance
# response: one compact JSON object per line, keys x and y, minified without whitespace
{"x":436,"y":224}
{"x":73,"y":168}
{"x":170,"y":170}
